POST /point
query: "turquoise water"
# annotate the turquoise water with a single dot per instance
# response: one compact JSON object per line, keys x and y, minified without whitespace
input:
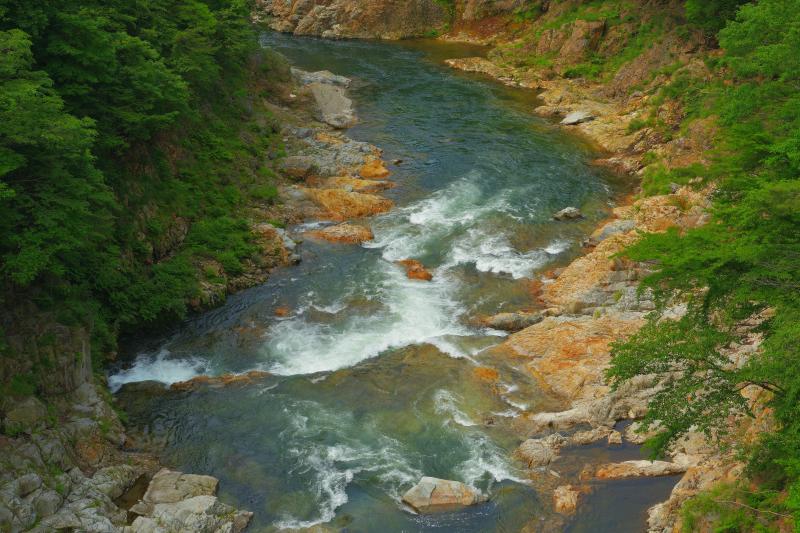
{"x":373,"y":379}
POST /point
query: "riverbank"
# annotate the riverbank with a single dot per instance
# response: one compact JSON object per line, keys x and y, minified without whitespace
{"x":595,"y":300}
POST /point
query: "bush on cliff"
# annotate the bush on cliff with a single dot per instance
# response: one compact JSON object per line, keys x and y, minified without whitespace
{"x":745,"y":263}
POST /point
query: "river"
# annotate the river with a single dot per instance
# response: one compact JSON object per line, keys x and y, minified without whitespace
{"x":373,"y":375}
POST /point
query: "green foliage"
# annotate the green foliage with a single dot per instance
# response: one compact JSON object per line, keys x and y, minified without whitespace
{"x":711,"y":15}
{"x":745,"y":262}
{"x":117,"y":121}
{"x":734,"y":509}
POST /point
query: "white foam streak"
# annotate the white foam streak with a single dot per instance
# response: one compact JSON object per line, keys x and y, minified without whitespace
{"x":158,"y":367}
{"x":414,"y":313}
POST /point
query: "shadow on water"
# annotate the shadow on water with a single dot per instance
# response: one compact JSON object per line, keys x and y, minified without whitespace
{"x":372,"y":379}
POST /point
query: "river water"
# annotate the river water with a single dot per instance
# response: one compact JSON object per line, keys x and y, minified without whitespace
{"x":373,"y":376}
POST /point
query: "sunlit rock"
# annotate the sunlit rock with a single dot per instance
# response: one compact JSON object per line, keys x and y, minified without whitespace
{"x":432,"y":494}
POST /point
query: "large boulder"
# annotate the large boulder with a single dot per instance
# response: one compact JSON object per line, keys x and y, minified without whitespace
{"x":175,"y":501}
{"x":333,"y":106}
{"x":541,"y":452}
{"x":432,"y":494}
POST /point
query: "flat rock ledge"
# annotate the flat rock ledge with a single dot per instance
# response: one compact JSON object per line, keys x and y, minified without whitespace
{"x":175,"y":501}
{"x":432,"y":495}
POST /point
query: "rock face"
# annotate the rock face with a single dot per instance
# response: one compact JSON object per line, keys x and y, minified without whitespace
{"x":175,"y":501}
{"x":432,"y":494}
{"x":415,"y":270}
{"x":371,"y":19}
{"x":344,"y":233}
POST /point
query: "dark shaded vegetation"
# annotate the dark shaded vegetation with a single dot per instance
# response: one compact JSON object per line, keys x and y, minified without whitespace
{"x":132,"y":134}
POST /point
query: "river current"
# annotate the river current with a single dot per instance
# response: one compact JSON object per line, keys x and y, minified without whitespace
{"x":373,"y":380}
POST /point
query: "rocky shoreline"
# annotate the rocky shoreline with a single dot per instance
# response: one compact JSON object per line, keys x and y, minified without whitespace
{"x":595,"y":300}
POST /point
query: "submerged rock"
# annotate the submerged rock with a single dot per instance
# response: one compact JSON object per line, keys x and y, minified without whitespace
{"x":415,"y":270}
{"x":512,"y":321}
{"x":432,"y":494}
{"x":565,"y":499}
{"x":568,"y":213}
{"x":577,"y":117}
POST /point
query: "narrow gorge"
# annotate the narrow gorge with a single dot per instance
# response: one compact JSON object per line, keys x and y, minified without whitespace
{"x":416,"y":266}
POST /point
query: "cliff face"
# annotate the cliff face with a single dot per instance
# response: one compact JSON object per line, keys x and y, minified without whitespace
{"x":381,"y":19}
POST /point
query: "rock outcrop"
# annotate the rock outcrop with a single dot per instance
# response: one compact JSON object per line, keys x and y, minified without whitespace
{"x":432,"y":494}
{"x":374,"y":19}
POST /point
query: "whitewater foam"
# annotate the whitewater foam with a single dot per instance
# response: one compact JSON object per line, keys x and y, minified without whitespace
{"x":413,"y":313}
{"x":158,"y":367}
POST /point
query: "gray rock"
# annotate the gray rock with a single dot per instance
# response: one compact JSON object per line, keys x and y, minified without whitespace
{"x":6,"y":518}
{"x":433,"y":494}
{"x":322,"y":76}
{"x":299,"y":166}
{"x":541,"y":452}
{"x":28,"y":483}
{"x":512,"y":321}
{"x":169,"y":486}
{"x":614,"y":227}
{"x":333,"y":106}
{"x":47,"y":503}
{"x":25,"y":416}
{"x":175,"y":501}
{"x":568,"y":213}
{"x":113,"y":481}
{"x":577,"y":117}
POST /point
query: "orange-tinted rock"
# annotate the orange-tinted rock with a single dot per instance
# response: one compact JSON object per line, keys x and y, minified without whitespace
{"x":432,"y":494}
{"x":342,"y":205}
{"x":373,"y":169}
{"x":415,"y":270}
{"x":357,"y":184}
{"x":487,"y":374}
{"x":282,"y":311}
{"x":565,"y":499}
{"x":569,"y":354}
{"x":344,"y":233}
